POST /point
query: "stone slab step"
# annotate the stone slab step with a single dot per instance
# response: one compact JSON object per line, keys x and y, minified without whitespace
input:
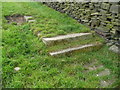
{"x":69,"y":38}
{"x":74,"y":49}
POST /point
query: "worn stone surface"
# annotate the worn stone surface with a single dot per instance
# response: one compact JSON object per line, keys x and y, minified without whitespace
{"x":68,"y":37}
{"x":104,"y":73}
{"x":73,"y":49}
{"x":106,"y":83}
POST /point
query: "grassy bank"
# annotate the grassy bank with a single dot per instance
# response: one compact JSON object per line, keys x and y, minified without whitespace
{"x":22,"y":48}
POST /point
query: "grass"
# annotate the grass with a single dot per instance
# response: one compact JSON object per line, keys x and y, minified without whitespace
{"x":49,"y":22}
{"x":39,"y":70}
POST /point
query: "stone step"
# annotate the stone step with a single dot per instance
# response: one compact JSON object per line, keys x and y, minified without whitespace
{"x":74,"y":49}
{"x":68,"y":38}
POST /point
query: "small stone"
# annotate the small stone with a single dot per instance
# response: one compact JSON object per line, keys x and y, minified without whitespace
{"x":104,"y":83}
{"x":109,"y":44}
{"x":17,"y":68}
{"x":115,"y":49}
{"x":38,"y":34}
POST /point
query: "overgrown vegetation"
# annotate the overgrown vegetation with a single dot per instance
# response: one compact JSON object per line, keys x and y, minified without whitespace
{"x":21,"y":48}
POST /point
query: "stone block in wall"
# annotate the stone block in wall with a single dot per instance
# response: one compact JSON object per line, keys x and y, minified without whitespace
{"x":95,"y":14}
{"x":115,"y":8}
{"x":116,"y":28}
{"x":91,"y":6}
{"x":103,"y":12}
{"x":106,"y":29}
{"x":109,"y":17}
{"x":114,"y":16}
{"x":96,"y":7}
{"x":92,"y":11}
{"x":103,"y":18}
{"x":94,"y":23}
{"x":117,"y":34}
{"x":107,"y":22}
{"x":85,"y":21}
{"x":116,"y":23}
{"x":103,"y":23}
{"x":110,"y":26}
{"x":115,"y":49}
{"x":86,"y":5}
{"x":81,"y":10}
{"x":87,"y":11}
{"x":105,"y":6}
{"x":113,"y":31}
{"x":102,"y":32}
{"x":117,"y":20}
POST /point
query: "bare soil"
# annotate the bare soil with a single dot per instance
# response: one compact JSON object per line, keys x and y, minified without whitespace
{"x":19,"y":19}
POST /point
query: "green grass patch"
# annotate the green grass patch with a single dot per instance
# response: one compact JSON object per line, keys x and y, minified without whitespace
{"x":21,"y":48}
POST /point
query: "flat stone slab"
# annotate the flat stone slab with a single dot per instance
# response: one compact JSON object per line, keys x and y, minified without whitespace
{"x":104,"y":73}
{"x":73,"y":49}
{"x":52,"y":40}
{"x":106,"y":83}
{"x":94,"y":67}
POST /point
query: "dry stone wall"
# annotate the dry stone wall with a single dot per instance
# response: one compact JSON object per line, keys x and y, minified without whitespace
{"x":102,"y":17}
